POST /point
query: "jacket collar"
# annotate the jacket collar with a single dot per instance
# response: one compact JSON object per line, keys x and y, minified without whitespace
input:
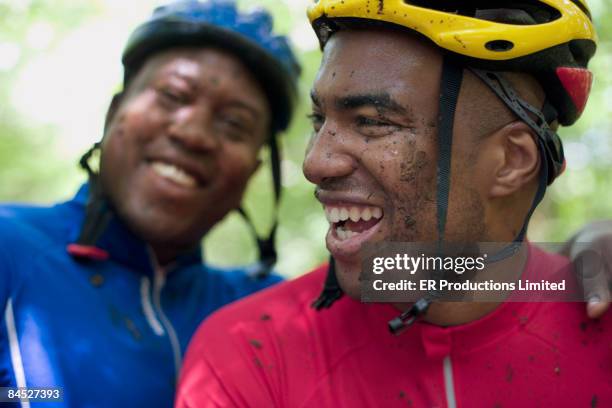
{"x":121,"y":245}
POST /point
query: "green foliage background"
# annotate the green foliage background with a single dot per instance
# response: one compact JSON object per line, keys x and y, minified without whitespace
{"x":39,"y":151}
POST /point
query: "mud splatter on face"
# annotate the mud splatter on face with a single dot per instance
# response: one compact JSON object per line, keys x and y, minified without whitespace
{"x":409,"y":222}
{"x":412,"y":166}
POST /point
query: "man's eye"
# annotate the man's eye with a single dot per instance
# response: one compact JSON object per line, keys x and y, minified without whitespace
{"x":172,"y":97}
{"x":235,"y":123}
{"x":365,"y":121}
{"x":376,"y":127}
{"x":233,"y":128}
{"x":317,"y":121}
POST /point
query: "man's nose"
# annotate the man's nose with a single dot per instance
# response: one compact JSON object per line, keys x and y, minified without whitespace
{"x":193,"y":129}
{"x":328,"y":156}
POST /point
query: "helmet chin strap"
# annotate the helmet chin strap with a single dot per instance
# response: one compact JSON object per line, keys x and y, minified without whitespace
{"x":266,"y":246}
{"x":97,"y":215}
{"x":331,"y":290}
{"x":450,"y":85}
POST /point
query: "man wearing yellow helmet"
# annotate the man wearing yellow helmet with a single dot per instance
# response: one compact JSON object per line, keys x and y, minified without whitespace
{"x":433,"y":122}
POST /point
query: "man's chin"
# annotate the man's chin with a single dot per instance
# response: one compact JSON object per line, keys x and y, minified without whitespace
{"x":348,"y":279}
{"x":156,"y":226}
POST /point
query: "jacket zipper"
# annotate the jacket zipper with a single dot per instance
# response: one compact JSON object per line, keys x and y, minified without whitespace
{"x":147,"y":307}
{"x":449,"y":383}
{"x":158,"y":284}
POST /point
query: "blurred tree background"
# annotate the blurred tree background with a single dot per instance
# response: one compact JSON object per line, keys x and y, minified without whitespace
{"x":60,"y":65}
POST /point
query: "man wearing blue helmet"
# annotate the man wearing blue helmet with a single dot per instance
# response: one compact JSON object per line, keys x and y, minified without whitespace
{"x":101,"y":294}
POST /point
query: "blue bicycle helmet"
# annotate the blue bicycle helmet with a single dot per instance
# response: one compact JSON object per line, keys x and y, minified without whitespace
{"x":218,"y":23}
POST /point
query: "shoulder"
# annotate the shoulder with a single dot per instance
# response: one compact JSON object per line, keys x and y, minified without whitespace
{"x":268,"y":312}
{"x":18,"y":241}
{"x":276,"y":303}
{"x":567,"y":323}
{"x":562,"y":322}
{"x":213,"y":287}
{"x":19,"y":229}
{"x":27,"y":232}
{"x":22,"y":222}
{"x":247,"y":336}
{"x":540,"y":258}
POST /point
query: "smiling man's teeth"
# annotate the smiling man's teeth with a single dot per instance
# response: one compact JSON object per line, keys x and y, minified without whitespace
{"x":345,"y":234}
{"x":338,"y":214}
{"x":174,"y":174}
{"x":333,"y":215}
{"x":344,"y":214}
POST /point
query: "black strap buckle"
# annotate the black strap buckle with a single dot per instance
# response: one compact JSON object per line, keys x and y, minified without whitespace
{"x":406,"y":319}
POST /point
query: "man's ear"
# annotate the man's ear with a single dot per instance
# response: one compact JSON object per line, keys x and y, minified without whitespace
{"x":112,"y":109}
{"x":519,"y":162}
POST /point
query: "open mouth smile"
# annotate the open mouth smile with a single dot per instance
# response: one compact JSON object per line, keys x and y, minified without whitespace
{"x":178,"y":172}
{"x":351,"y":225}
{"x":174,"y":174}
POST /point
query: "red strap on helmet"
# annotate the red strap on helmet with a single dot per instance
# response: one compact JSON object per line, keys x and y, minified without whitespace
{"x":577,"y":82}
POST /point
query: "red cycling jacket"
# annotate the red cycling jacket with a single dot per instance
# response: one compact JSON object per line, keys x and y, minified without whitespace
{"x":273,"y":350}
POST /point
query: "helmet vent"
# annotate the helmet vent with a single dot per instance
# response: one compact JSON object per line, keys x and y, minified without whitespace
{"x":582,"y":7}
{"x":522,"y":12}
{"x":499,"y":45}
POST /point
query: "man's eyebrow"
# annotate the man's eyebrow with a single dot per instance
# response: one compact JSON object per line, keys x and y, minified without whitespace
{"x":382,"y":101}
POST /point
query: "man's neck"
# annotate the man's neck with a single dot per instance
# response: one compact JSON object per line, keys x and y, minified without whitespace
{"x":166,"y":255}
{"x":455,"y":313}
{"x":452,"y":313}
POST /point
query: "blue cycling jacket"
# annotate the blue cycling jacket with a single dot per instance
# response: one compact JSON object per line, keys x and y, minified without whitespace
{"x":109,"y":333}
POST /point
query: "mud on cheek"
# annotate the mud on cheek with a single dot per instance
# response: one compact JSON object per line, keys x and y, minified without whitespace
{"x":413,"y":196}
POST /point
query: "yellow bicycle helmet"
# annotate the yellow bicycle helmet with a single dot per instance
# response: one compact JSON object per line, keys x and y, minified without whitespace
{"x":551,"y":39}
